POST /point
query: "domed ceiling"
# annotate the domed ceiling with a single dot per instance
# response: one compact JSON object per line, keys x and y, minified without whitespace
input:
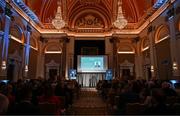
{"x":101,"y":12}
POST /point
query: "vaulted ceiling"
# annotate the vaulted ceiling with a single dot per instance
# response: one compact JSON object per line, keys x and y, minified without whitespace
{"x":104,"y":10}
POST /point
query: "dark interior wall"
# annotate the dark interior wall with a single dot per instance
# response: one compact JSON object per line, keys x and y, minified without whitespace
{"x":55,"y":57}
{"x":32,"y":63}
{"x":164,"y":59}
{"x":0,"y":53}
{"x":79,"y":44}
{"x":13,"y":46}
{"x":129,"y":57}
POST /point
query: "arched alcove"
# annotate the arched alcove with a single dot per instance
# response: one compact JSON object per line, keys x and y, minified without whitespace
{"x":17,"y":33}
{"x":33,"y":43}
{"x":145,"y":44}
{"x":53,"y":48}
{"x":162,"y":33}
{"x":126,"y":49}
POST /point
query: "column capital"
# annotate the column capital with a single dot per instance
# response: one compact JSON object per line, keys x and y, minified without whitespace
{"x":67,"y":40}
{"x":8,"y":11}
{"x":29,"y":29}
{"x":151,"y":29}
{"x":170,"y":12}
{"x":64,"y":40}
{"x":114,"y":40}
{"x":135,"y":40}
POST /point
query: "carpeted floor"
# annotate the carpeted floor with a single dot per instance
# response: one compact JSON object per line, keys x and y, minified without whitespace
{"x":89,"y":103}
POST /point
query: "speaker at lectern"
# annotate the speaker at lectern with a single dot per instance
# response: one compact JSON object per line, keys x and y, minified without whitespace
{"x":109,"y":74}
{"x":72,"y":74}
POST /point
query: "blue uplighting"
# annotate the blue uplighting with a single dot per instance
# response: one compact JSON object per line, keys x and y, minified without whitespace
{"x":27,"y":49}
{"x":6,"y":38}
{"x":159,"y":3}
{"x":2,"y":3}
{"x":26,"y":9}
{"x":173,"y":81}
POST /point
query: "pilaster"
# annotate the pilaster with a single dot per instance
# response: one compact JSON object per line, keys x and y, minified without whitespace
{"x":27,"y":51}
{"x":40,"y":60}
{"x":5,"y":40}
{"x":173,"y":43}
{"x":151,"y":36}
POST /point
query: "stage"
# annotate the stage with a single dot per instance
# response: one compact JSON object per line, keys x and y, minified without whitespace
{"x":89,"y":79}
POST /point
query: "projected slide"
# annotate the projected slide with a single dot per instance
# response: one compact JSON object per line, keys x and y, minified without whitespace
{"x":92,"y":63}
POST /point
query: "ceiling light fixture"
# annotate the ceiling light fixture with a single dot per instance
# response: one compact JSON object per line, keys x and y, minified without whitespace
{"x":120,"y":22}
{"x":58,"y":22}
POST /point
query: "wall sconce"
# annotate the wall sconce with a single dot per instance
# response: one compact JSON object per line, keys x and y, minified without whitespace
{"x":3,"y":65}
{"x":175,"y":67}
{"x":26,"y":68}
{"x":152,"y":68}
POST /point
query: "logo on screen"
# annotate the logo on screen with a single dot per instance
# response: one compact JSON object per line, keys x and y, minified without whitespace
{"x":72,"y":74}
{"x":97,"y":64}
{"x":109,"y":74}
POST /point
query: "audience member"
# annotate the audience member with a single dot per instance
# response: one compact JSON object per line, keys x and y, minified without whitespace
{"x":4,"y":102}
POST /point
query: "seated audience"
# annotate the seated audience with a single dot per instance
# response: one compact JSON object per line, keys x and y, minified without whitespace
{"x":25,"y":106}
{"x":158,"y":103}
{"x":168,"y":90}
{"x":49,"y":97}
{"x":4,"y":102}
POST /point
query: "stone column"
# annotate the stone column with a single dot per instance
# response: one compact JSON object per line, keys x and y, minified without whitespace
{"x":27,"y":51}
{"x":108,"y":51}
{"x":1,"y":37}
{"x":40,"y":61}
{"x":115,"y":56}
{"x":64,"y":56}
{"x":138,"y":66}
{"x":173,"y":44}
{"x":151,"y":36}
{"x":69,"y":55}
{"x":138,"y":59}
{"x":5,"y":40}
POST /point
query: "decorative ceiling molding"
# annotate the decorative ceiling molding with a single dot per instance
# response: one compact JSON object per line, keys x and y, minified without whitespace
{"x":42,"y":11}
{"x":125,"y":31}
{"x":26,"y":9}
{"x":135,"y":10}
{"x":89,"y":9}
{"x":46,"y":9}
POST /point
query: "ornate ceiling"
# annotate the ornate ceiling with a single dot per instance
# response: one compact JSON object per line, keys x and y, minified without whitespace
{"x":96,"y":13}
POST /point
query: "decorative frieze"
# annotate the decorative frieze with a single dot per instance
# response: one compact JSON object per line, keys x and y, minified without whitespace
{"x":89,"y":21}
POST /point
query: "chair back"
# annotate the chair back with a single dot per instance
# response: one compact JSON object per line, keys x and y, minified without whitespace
{"x":135,"y":108}
{"x":47,"y":108}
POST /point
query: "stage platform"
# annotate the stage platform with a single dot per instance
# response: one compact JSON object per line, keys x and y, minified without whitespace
{"x":88,"y":89}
